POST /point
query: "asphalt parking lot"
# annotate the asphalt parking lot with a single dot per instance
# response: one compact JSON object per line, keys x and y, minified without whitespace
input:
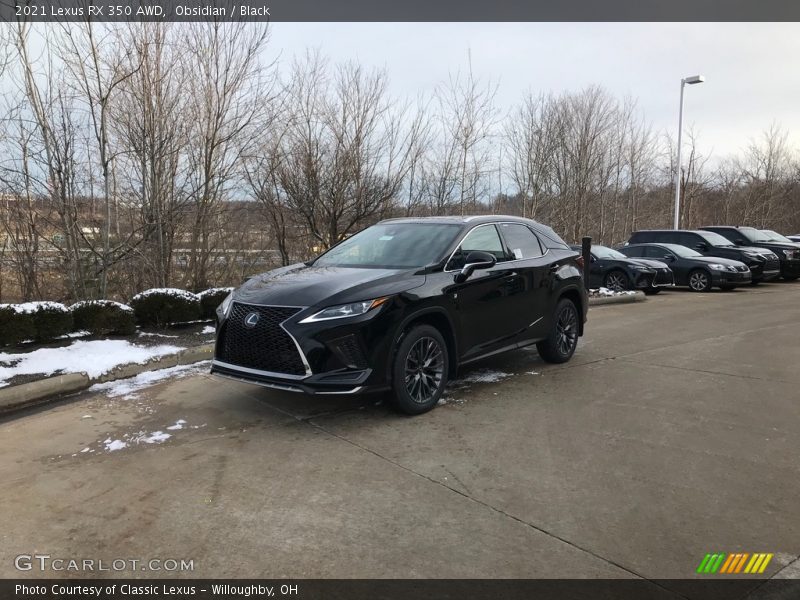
{"x":672,"y":433}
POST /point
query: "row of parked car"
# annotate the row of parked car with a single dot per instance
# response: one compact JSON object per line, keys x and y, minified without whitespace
{"x":720,"y":256}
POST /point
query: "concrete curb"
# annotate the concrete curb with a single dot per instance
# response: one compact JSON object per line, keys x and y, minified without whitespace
{"x":626,"y":299}
{"x":51,"y":388}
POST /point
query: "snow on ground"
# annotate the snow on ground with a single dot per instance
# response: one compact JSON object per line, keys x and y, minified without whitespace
{"x":207,"y":330}
{"x":91,"y":357}
{"x":607,"y":292}
{"x":462,"y":384}
{"x":128,"y":388}
{"x":481,"y":376}
{"x":152,"y":334}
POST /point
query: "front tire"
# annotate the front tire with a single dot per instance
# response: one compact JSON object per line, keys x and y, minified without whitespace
{"x":700,"y":281}
{"x":652,"y":291}
{"x":419,"y":370}
{"x":560,"y":344}
{"x":790,"y":277}
{"x":617,"y":281}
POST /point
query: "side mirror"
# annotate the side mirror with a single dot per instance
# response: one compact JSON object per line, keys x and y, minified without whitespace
{"x":702,"y":247}
{"x":475,"y":260}
{"x":669,"y":257}
{"x":739,"y":242}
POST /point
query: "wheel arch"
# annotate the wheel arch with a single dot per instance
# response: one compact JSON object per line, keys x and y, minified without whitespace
{"x":436,"y":317}
{"x":577,"y":298}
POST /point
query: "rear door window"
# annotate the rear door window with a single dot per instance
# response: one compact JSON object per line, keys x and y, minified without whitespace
{"x":521,"y":241}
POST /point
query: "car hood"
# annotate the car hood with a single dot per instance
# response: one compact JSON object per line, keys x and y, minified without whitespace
{"x":647,"y":262}
{"x":303,"y":285}
{"x":728,"y":262}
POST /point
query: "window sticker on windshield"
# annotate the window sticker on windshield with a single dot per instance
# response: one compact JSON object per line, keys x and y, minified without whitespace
{"x":386,"y":238}
{"x":518,"y":253}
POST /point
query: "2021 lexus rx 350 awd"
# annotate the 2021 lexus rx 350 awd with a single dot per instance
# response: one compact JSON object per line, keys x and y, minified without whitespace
{"x":401,"y":305}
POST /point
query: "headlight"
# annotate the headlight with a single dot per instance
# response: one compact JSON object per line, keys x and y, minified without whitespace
{"x":789,"y":253}
{"x":717,"y":267}
{"x":755,"y":255}
{"x":226,"y":304}
{"x":345,"y":310}
{"x":642,"y":268}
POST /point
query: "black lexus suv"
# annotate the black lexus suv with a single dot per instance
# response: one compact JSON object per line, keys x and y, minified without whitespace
{"x":401,"y":305}
{"x":788,"y":252}
{"x":763,"y":264}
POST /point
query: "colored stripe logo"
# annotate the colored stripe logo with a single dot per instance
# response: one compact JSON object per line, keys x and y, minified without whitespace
{"x":734,"y":563}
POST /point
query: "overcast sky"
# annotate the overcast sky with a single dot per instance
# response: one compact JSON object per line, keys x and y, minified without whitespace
{"x":752,"y":72}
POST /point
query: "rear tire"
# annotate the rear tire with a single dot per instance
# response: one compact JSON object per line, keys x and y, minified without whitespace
{"x":419,"y":370}
{"x":560,"y":344}
{"x":700,"y":280}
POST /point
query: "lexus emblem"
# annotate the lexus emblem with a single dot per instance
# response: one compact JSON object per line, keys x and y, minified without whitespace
{"x":251,"y":320}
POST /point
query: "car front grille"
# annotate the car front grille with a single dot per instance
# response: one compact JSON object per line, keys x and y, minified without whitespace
{"x":264,"y":345}
{"x":772,"y":265}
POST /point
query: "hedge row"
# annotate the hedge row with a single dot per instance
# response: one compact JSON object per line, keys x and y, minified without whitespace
{"x":42,"y":321}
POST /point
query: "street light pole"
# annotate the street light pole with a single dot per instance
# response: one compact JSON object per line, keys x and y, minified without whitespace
{"x":677,"y":217}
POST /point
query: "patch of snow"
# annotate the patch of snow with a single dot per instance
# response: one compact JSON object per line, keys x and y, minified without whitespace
{"x":178,"y":293}
{"x":207,"y":330}
{"x":216,"y":290}
{"x":112,"y":445}
{"x":93,"y":358}
{"x":32,"y":307}
{"x":75,"y":334}
{"x":178,"y":425}
{"x":482,"y":376}
{"x":532,"y":373}
{"x":153,"y":438}
{"x":161,"y":335}
{"x":128,"y":387}
{"x":87,"y":449}
{"x":83,"y":303}
{"x":606,"y":292}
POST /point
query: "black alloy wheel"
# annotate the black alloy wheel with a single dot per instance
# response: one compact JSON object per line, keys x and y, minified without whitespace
{"x":617,"y":281}
{"x":420,"y":370}
{"x":560,"y":345}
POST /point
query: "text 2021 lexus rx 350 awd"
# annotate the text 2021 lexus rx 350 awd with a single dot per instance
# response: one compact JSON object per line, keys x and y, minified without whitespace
{"x":401,"y":305}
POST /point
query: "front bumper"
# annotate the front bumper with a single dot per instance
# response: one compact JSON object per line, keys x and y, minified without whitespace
{"x":790,"y":268}
{"x":765,"y":271}
{"x":664,"y":278}
{"x":719,"y":278}
{"x":314,"y":358}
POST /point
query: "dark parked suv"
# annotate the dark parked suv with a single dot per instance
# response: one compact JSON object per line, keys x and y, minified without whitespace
{"x":763,"y":264}
{"x":788,"y":253}
{"x":401,"y":305}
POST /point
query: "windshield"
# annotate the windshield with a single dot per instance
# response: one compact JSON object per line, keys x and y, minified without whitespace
{"x":714,"y":239}
{"x":603,"y":252}
{"x":682,"y":251}
{"x":392,"y":246}
{"x":774,"y":236}
{"x":752,"y":234}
